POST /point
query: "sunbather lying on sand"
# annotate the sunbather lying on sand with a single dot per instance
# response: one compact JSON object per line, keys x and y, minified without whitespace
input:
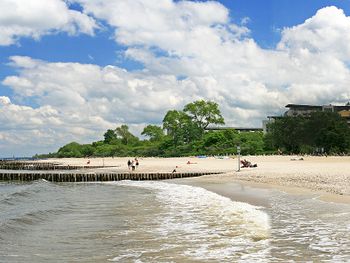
{"x":247,"y":164}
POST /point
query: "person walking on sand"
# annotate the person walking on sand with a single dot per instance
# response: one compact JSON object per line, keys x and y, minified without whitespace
{"x":137,"y":163}
{"x":133,"y":165}
{"x":129,"y":164}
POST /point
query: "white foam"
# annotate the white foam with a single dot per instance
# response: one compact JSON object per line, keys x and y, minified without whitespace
{"x":215,"y":226}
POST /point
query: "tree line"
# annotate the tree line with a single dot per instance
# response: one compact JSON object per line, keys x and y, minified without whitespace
{"x":183,"y":133}
{"x":319,"y":133}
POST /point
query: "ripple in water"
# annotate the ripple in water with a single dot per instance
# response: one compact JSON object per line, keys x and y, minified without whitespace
{"x":133,"y":221}
{"x":196,"y":224}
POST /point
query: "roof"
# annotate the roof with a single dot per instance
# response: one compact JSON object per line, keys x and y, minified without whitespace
{"x":336,"y":107}
{"x":234,"y":128}
{"x":303,"y":106}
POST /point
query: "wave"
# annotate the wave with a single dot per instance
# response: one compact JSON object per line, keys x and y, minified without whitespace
{"x":22,"y":205}
{"x":207,"y":225}
{"x":14,"y":192}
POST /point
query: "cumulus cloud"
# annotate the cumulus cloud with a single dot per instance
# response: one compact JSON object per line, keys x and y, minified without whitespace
{"x":328,"y":31}
{"x":35,"y":18}
{"x":176,"y":27}
{"x":190,"y":51}
{"x":175,"y":38}
{"x":81,"y":101}
{"x":109,"y":92}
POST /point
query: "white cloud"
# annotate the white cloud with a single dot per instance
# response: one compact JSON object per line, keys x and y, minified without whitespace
{"x":81,"y":101}
{"x":171,"y":26}
{"x":328,"y":31}
{"x":190,"y":50}
{"x":35,"y":18}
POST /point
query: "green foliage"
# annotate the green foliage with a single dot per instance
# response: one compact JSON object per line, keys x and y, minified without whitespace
{"x":203,"y":113}
{"x":87,"y":150}
{"x":186,"y":136}
{"x":189,"y":125}
{"x":330,"y":131}
{"x":155,"y":133}
{"x":252,"y":143}
{"x":322,"y":130}
{"x":125,"y":136}
{"x":72,"y":149}
{"x":176,"y":123}
{"x":109,"y":136}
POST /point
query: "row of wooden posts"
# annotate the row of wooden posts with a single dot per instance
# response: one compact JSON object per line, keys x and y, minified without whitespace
{"x":13,"y":165}
{"x":93,"y":177}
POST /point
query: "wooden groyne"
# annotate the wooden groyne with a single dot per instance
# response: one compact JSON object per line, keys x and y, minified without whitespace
{"x":20,"y":165}
{"x":94,"y":177}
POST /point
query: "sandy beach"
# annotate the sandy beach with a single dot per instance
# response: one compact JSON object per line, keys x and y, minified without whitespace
{"x":328,"y":176}
{"x":285,"y":209}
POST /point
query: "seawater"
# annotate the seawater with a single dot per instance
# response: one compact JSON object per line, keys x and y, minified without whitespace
{"x":156,"y":221}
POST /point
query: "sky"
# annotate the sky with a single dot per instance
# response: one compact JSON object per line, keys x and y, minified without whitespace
{"x":70,"y":70}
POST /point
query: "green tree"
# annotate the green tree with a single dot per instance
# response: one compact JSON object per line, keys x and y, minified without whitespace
{"x":72,"y":149}
{"x":288,"y":133}
{"x":87,"y":150}
{"x":155,"y":133}
{"x":175,"y":123}
{"x":252,"y":142}
{"x":328,"y":130}
{"x":126,"y":136}
{"x":204,"y":113}
{"x":109,"y":136}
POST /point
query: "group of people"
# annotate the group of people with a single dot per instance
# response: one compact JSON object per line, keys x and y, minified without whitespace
{"x":133,"y":164}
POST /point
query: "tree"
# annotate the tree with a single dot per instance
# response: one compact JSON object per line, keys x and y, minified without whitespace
{"x":109,"y":136}
{"x":125,"y":135}
{"x":328,"y":130}
{"x":87,"y":150}
{"x":288,"y":133}
{"x":154,"y":132}
{"x":323,"y":130}
{"x":72,"y":149}
{"x":174,"y":123}
{"x":204,"y":113}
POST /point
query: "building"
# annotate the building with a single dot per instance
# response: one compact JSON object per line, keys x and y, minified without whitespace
{"x":239,"y":129}
{"x":305,"y":111}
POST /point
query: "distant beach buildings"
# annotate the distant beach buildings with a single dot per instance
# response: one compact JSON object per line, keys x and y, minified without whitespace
{"x":305,"y":110}
{"x":239,"y":129}
{"x":294,"y":110}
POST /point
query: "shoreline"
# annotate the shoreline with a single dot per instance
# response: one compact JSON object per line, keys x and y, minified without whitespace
{"x":256,"y":193}
{"x":294,"y":190}
{"x":327,"y":177}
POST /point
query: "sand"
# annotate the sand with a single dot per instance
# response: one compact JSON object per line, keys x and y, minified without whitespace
{"x":328,"y":176}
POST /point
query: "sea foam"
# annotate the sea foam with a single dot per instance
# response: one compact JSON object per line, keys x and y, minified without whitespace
{"x":205,"y":225}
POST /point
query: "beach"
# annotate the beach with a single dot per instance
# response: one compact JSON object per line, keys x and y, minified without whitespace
{"x":327,"y":176}
{"x":286,"y":209}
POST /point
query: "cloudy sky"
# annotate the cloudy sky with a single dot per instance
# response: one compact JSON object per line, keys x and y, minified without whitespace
{"x":70,"y":70}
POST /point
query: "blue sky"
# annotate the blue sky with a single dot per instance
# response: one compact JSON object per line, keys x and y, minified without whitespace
{"x":169,"y":60}
{"x":267,"y":16}
{"x":265,"y":19}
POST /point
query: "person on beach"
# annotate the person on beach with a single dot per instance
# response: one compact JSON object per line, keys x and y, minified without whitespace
{"x":133,"y":165}
{"x":129,"y":164}
{"x":247,"y":164}
{"x":137,"y":163}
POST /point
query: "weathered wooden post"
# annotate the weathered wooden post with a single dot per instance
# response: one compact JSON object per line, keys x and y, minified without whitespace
{"x":239,"y":157}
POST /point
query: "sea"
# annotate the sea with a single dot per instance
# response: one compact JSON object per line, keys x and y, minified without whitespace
{"x":161,"y":221}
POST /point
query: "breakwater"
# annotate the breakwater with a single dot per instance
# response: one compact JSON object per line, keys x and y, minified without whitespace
{"x":20,"y":165}
{"x":94,"y":177}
